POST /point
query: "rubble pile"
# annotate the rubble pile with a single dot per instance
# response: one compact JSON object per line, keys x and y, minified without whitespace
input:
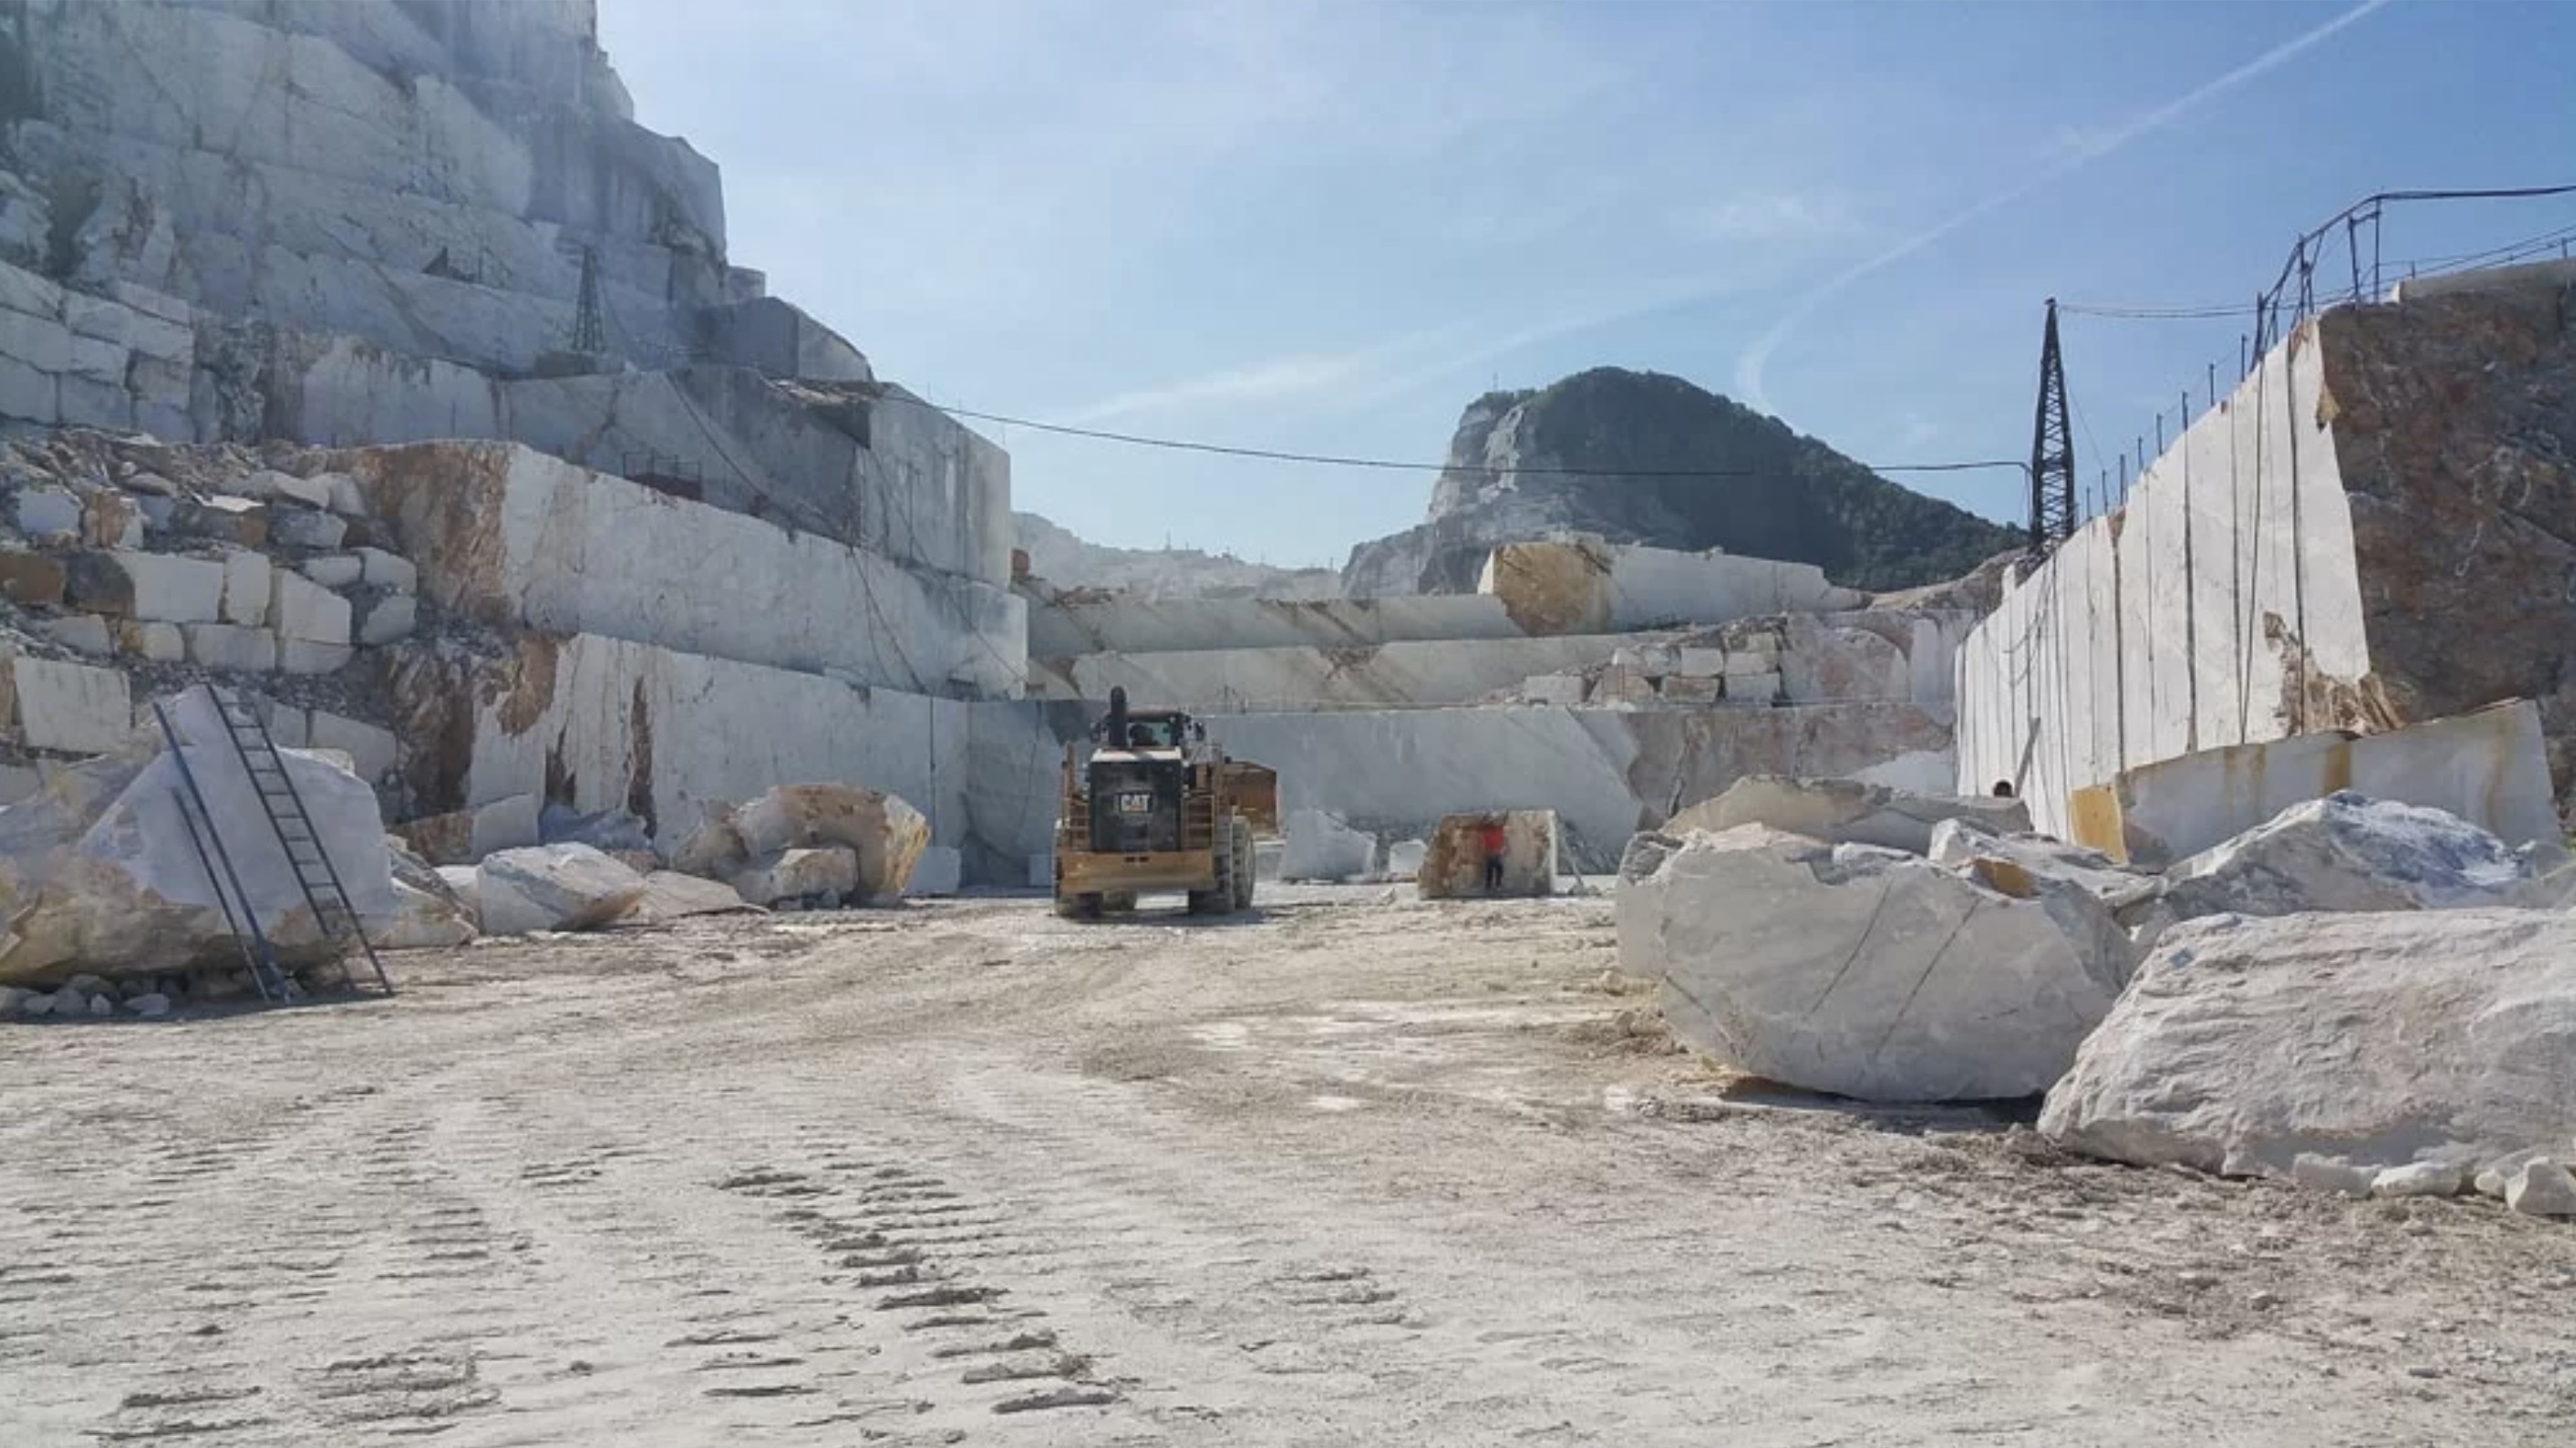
{"x":809,"y":844}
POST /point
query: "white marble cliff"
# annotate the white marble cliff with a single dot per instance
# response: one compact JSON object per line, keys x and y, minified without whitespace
{"x":359,"y":221}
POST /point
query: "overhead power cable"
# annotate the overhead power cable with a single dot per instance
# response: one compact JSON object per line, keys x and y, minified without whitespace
{"x":2529,"y":246}
{"x":1332,"y":460}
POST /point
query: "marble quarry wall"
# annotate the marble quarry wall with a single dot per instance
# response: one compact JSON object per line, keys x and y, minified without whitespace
{"x":2370,"y":532}
{"x":869,"y":466}
{"x":480,"y":627}
{"x":1386,"y":675}
{"x":1790,"y":658}
{"x":1589,"y":586}
{"x":1611,"y":685}
{"x":2454,"y":418}
{"x":2489,"y":767}
{"x":1529,"y":590}
{"x":602,"y":723}
{"x":1606,"y":773}
{"x":117,"y":580}
{"x":513,"y":537}
{"x":368,"y":222}
{"x":1062,"y":627}
{"x":420,"y":177}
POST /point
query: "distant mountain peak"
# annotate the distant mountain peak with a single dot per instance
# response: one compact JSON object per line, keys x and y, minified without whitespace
{"x":1649,"y":458}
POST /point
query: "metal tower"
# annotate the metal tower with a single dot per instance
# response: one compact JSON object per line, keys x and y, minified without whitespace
{"x":589,"y":336}
{"x":2052,"y":451}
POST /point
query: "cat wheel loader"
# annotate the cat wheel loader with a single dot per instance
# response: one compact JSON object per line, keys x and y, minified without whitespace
{"x":1151,"y":807}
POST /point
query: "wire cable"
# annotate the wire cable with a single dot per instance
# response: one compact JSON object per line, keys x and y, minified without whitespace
{"x":1403,"y":465}
{"x":2420,"y":267}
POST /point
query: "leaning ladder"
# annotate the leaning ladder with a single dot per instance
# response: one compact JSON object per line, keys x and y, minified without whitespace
{"x":258,"y":956}
{"x":314,"y":873}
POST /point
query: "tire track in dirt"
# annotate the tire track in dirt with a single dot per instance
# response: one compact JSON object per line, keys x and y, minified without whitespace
{"x":1355,"y":1306}
{"x":958,"y":1176}
{"x":156,"y":1264}
{"x":807,"y":1291}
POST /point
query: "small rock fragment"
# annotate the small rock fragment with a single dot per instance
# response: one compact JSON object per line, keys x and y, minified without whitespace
{"x":299,"y":529}
{"x":2420,"y":1179}
{"x":2325,"y":1174}
{"x":2493,"y":1177}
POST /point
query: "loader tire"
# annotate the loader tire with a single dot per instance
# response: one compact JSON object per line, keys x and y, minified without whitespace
{"x":1219,"y":901}
{"x":1243,"y":880}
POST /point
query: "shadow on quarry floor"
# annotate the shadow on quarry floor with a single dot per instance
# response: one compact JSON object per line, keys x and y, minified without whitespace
{"x":1178,"y":916}
{"x":201,"y":1011}
{"x":1764,"y":1098}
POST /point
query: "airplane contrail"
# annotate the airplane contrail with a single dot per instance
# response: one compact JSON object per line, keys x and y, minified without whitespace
{"x":1750,"y":366}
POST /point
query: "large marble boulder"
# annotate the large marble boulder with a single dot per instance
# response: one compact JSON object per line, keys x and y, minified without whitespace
{"x":1454,"y":865}
{"x":553,"y":887}
{"x":1868,"y":972}
{"x":670,"y":895}
{"x":2348,"y":853}
{"x":2358,"y":1043}
{"x":819,"y":878}
{"x":429,"y":912}
{"x":98,"y":874}
{"x":1969,"y":847}
{"x":1319,"y":846}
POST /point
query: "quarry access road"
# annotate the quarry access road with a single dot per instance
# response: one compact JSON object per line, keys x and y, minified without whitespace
{"x":1357,"y":1169}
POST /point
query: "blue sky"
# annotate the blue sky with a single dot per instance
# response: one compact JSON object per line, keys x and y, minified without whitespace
{"x":1325,"y":225}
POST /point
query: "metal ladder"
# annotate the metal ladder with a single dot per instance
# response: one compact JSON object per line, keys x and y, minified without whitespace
{"x":315,"y":875}
{"x":258,"y":956}
{"x":314,"y":872}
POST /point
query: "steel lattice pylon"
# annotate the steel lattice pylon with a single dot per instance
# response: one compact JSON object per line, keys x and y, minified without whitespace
{"x":589,"y":336}
{"x":2052,"y":451}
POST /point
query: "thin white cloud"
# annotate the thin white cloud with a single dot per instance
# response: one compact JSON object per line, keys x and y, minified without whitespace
{"x":2081,"y":147}
{"x":1272,"y":381}
{"x":1367,"y":376}
{"x":1770,"y":217}
{"x":1644,"y":303}
{"x":1293,"y":378}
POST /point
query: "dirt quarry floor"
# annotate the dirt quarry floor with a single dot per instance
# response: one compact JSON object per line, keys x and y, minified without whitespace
{"x":1355,"y":1170}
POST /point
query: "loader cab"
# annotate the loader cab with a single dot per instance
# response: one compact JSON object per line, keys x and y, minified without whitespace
{"x":1166,"y":730}
{"x":1123,"y":730}
{"x":1139,"y":779}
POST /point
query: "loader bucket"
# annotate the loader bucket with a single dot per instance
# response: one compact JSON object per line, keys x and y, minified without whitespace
{"x":1253,"y":792}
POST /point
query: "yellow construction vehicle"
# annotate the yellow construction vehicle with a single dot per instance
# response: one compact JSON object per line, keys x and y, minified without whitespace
{"x":1151,"y":806}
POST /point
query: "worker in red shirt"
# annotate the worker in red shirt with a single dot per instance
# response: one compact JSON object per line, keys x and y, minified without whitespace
{"x":1490,"y":835}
